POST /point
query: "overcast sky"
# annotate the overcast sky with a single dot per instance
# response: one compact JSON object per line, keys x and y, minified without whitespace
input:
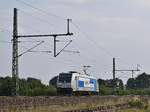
{"x":102,"y":29}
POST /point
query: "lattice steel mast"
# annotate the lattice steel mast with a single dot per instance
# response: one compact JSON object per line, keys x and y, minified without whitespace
{"x":16,"y":55}
{"x":15,"y":75}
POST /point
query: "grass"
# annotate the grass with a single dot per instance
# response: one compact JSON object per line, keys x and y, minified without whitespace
{"x":139,"y":105}
{"x":134,"y":110}
{"x":130,"y":110}
{"x":135,"y":102}
{"x":65,"y":107}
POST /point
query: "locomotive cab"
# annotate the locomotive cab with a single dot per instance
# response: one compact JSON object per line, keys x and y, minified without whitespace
{"x":64,"y":83}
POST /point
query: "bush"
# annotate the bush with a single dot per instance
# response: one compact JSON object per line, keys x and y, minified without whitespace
{"x":138,"y":103}
{"x":103,"y":90}
{"x":27,"y":87}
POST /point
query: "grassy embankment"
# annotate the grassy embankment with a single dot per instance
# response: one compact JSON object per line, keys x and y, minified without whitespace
{"x":138,"y":105}
{"x":141,"y":105}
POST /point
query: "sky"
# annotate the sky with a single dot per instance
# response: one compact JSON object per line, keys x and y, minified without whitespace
{"x":102,"y":29}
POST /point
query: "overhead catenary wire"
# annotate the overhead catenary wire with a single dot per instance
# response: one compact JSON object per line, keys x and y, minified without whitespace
{"x":36,"y":51}
{"x":5,"y":30}
{"x":33,"y":39}
{"x":91,"y":40}
{"x":16,"y":55}
{"x":84,"y":56}
{"x":69,"y":63}
{"x":40,"y":51}
{"x":93,"y":60}
{"x":74,"y":25}
{"x":4,"y":41}
{"x":31,"y":48}
{"x":42,"y":20}
{"x":29,"y":27}
{"x":27,"y":41}
{"x":122,"y":61}
{"x":35,"y":17}
{"x":96,"y":44}
{"x":26,"y":27}
{"x":88,"y":56}
{"x":28,"y":4}
{"x":54,"y":15}
{"x":46,"y":22}
{"x":39,"y":9}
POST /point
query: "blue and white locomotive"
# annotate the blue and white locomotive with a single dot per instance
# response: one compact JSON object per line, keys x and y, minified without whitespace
{"x":77,"y":84}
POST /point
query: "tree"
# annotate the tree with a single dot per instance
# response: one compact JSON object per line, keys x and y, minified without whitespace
{"x":140,"y":82}
{"x":27,"y":87}
{"x":6,"y":85}
{"x":53,"y":81}
{"x":143,"y":81}
{"x":106,"y":87}
{"x":131,"y":83}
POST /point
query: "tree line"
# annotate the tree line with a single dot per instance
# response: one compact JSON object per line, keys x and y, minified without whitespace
{"x":34,"y":87}
{"x":135,"y":86}
{"x":27,"y":87}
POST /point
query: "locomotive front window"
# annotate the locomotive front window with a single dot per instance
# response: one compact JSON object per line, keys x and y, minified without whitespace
{"x":65,"y":77}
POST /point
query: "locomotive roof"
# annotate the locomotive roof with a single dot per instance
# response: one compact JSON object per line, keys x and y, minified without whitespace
{"x":84,"y":75}
{"x":79,"y":74}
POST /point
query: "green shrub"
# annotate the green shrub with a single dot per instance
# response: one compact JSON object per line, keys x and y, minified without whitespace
{"x":105,"y":90}
{"x":139,"y":103}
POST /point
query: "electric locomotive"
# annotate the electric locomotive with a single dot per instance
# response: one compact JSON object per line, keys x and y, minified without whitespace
{"x":74,"y":83}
